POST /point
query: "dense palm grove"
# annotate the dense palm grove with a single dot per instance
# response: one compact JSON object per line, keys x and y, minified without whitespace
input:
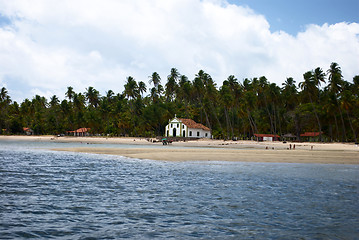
{"x":322,"y":102}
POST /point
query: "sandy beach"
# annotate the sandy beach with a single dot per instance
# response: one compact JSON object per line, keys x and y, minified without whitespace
{"x":212,"y":150}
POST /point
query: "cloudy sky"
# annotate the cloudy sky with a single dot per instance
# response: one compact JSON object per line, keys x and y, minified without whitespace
{"x":48,"y":45}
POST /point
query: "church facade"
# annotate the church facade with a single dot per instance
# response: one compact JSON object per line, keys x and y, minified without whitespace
{"x":181,"y":127}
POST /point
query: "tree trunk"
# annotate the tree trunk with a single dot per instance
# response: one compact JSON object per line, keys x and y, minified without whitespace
{"x":279,"y":123}
{"x":316,"y":115}
{"x":351,"y":126}
{"x":336,"y":127}
{"x":274,"y":120}
{"x":216,"y":117}
{"x":233,"y":122}
{"x":297,"y":126}
{"x":227,"y":122}
{"x":252,"y":121}
{"x":344,"y":135}
{"x":251,"y":124}
{"x":207,"y":119}
{"x":270,"y":116}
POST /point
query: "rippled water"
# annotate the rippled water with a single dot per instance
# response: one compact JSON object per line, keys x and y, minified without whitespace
{"x":47,"y":194}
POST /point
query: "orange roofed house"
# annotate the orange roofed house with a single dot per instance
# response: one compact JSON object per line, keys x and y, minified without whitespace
{"x":311,"y":136}
{"x":181,"y":127}
{"x":81,"y":132}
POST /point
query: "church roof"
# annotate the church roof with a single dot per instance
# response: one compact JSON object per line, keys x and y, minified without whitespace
{"x":192,"y":124}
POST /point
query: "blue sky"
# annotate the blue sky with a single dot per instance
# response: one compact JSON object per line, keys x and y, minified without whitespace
{"x":100,"y":43}
{"x":292,"y":16}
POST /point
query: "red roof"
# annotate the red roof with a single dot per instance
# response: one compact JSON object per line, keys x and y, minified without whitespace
{"x":266,"y":135}
{"x":192,"y":124}
{"x":26,"y":129}
{"x":81,"y":130}
{"x":311,"y":134}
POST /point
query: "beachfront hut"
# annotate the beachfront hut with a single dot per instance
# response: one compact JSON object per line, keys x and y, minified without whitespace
{"x":28,"y":131}
{"x":288,"y":137}
{"x":81,"y":132}
{"x":266,"y":137}
{"x":182,"y":127}
{"x":311,"y":136}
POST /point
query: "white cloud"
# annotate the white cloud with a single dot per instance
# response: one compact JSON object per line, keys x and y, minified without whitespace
{"x":54,"y":44}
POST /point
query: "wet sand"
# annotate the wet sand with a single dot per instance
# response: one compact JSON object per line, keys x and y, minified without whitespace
{"x":212,"y":150}
{"x":227,"y":154}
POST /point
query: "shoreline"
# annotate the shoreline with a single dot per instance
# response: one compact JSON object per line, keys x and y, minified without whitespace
{"x":225,"y":154}
{"x":211,"y":150}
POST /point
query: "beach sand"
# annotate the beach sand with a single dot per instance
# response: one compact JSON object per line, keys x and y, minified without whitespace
{"x":212,"y":150}
{"x":228,"y":154}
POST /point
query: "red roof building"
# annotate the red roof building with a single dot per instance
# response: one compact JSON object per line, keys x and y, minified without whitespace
{"x":183,"y":127}
{"x":311,"y":134}
{"x":266,"y":137}
{"x":81,"y":132}
{"x":192,"y":124}
{"x":28,"y":131}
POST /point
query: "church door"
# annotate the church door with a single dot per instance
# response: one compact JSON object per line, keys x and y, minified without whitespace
{"x":174,"y":132}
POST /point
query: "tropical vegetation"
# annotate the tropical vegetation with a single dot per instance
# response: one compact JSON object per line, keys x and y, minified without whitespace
{"x":323,"y":101}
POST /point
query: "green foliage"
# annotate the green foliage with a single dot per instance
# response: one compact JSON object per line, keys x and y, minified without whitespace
{"x":235,"y":109}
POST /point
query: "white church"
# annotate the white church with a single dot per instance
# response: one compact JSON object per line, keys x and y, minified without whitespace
{"x":181,"y":127}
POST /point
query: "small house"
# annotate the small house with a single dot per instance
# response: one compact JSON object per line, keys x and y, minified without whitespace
{"x":182,"y":127}
{"x":28,"y":131}
{"x":311,"y":136}
{"x":81,"y":132}
{"x":289,"y":137}
{"x":266,"y":137}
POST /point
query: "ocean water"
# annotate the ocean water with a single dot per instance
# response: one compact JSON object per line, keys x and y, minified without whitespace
{"x":60,"y":195}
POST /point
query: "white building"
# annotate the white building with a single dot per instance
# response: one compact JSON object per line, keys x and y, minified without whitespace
{"x":181,"y":127}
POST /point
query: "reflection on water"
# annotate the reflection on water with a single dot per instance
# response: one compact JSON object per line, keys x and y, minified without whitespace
{"x":46,"y":194}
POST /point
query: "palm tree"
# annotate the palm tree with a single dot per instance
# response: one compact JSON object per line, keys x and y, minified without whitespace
{"x":309,"y":87}
{"x":171,"y":85}
{"x":160,"y":89}
{"x":142,"y":87}
{"x":263,"y":91}
{"x":79,"y":101}
{"x":290,"y":99}
{"x":249,"y":104}
{"x":233,"y":82}
{"x":54,"y":100}
{"x":274,"y":93}
{"x":3,"y":94}
{"x":92,"y":96}
{"x":4,"y":106}
{"x":318,"y":76}
{"x":131,"y":88}
{"x":335,"y":80}
{"x":70,"y":93}
{"x":347,"y":102}
{"x":153,"y":94}
{"x":109,"y":94}
{"x":355,"y":86}
{"x":289,"y":92}
{"x":227,"y":101}
{"x":200,"y":82}
{"x":180,"y":94}
{"x":155,"y":79}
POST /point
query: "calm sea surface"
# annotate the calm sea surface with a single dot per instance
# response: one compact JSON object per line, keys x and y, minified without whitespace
{"x":48,"y":194}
